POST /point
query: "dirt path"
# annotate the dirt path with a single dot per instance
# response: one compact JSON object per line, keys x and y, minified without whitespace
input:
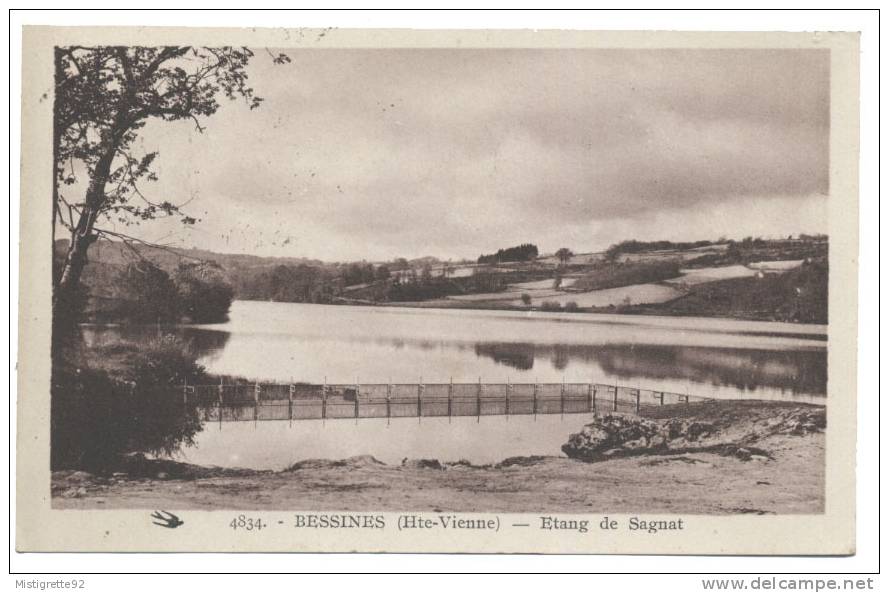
{"x":790,"y":481}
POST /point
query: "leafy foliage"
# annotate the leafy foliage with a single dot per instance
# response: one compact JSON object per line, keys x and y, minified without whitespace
{"x":146,"y":294}
{"x":358,"y":273}
{"x":634,"y":246}
{"x":564,"y":255}
{"x":425,"y":286}
{"x":550,"y":306}
{"x":523,"y":252}
{"x":301,"y":283}
{"x":97,"y":418}
{"x":103,"y":96}
{"x":204,"y":294}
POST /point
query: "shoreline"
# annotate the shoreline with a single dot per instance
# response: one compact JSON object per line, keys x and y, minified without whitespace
{"x":668,"y":321}
{"x":751,"y":463}
{"x":643,"y":310}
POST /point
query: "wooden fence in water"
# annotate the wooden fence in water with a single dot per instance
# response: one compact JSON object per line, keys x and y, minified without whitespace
{"x":227,"y":403}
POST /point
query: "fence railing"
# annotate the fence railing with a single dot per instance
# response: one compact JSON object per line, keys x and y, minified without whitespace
{"x":225,"y":403}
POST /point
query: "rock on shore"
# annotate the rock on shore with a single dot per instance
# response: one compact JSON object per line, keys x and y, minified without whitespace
{"x":621,"y":435}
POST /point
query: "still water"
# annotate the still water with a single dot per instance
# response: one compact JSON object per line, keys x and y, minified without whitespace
{"x":279,"y":444}
{"x":286,"y":342}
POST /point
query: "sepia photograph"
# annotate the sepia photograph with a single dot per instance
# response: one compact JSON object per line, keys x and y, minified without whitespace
{"x":344,"y":277}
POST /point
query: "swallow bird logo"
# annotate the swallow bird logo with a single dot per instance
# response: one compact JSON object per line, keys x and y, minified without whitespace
{"x":166,"y":519}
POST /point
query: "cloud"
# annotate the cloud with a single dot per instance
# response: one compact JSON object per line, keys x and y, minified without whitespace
{"x":378,"y":153}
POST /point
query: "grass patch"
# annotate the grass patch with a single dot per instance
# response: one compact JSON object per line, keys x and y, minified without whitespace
{"x":799,"y":296}
{"x":615,"y":275}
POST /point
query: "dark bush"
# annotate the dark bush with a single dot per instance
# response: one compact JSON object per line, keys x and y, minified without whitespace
{"x":96,"y":418}
{"x":551,"y":306}
{"x":146,"y":294}
{"x":204,"y":294}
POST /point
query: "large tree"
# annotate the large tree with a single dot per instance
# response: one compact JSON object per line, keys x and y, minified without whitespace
{"x":564,"y":254}
{"x":103,"y":97}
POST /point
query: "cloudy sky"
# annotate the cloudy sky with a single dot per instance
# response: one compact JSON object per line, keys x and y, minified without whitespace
{"x":375,"y":154}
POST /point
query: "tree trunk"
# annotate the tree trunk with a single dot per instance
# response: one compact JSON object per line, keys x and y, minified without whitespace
{"x":66,"y":297}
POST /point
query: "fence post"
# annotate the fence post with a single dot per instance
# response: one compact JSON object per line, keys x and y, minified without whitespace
{"x":290,"y":394}
{"x":662,"y":397}
{"x":638,"y":400}
{"x":324,"y":400}
{"x":256,"y":401}
{"x":534,"y":400}
{"x":388,"y":400}
{"x":357,"y":399}
{"x":562,"y":398}
{"x":478,"y":401}
{"x":614,"y":406}
{"x":450,"y":398}
{"x":591,"y":399}
{"x":420,"y":398}
{"x":507,"y":398}
{"x":185,"y":393}
{"x":220,"y":403}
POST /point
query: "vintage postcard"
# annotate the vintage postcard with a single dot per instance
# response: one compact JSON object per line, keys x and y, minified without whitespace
{"x":437,"y":291}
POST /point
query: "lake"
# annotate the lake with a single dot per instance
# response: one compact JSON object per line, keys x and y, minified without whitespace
{"x":284,"y":342}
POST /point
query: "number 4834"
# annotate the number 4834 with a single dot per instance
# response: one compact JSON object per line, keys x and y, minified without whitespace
{"x":247,"y":523}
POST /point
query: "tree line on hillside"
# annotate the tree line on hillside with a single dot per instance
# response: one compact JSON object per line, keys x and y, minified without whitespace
{"x":361,"y":281}
{"x":634,"y":246}
{"x":424,"y":286}
{"x":523,"y":252}
{"x":286,"y":283}
{"x":304,"y":283}
{"x":735,"y":251}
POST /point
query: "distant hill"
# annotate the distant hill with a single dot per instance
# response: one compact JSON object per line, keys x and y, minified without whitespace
{"x":799,"y":296}
{"x":115,"y":252}
{"x":251,"y":276}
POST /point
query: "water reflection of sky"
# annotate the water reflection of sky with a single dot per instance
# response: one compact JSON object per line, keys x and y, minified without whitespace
{"x":278,"y":444}
{"x":284,"y":342}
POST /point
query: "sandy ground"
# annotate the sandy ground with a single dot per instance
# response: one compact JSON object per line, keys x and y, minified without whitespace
{"x":791,"y":481}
